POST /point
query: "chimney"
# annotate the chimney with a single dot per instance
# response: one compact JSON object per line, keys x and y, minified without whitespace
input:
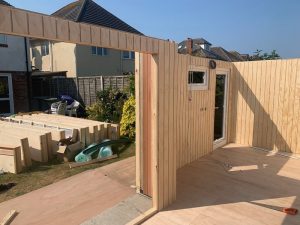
{"x":189,"y":46}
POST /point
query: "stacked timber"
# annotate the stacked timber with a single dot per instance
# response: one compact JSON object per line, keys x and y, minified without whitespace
{"x":10,"y":159}
{"x":37,"y":137}
{"x":89,"y":131}
{"x":40,"y":141}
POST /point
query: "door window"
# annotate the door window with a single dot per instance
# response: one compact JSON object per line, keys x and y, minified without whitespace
{"x":6,"y":101}
{"x":219,"y":107}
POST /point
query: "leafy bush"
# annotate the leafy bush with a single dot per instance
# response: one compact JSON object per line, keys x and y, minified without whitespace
{"x":128,"y":118}
{"x":132,"y":85}
{"x":108,"y":107}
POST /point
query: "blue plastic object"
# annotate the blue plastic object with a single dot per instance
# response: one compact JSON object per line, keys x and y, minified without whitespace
{"x":105,"y":151}
{"x":99,"y":150}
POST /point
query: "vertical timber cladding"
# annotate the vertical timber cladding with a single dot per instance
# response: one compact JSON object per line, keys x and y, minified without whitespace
{"x":194,"y":110}
{"x":266,"y":104}
{"x":146,"y":128}
{"x":179,"y":131}
{"x":185,"y":118}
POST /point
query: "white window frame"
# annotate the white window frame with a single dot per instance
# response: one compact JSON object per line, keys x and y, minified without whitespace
{"x":100,"y":51}
{"x":11,"y":96}
{"x":196,"y":86}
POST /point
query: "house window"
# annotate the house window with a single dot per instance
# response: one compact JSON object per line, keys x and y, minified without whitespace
{"x":45,"y":49}
{"x":3,"y":40}
{"x":128,"y":55}
{"x":99,"y":51}
{"x":33,"y":52}
{"x":94,"y":50}
{"x":198,"y":79}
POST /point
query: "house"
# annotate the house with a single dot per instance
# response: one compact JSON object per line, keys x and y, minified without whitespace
{"x":202,"y":48}
{"x":14,"y":72}
{"x":82,"y":60}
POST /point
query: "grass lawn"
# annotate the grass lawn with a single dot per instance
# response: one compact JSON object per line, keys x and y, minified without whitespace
{"x":43,"y":174}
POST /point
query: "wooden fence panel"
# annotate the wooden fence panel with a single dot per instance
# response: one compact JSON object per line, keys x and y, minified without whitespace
{"x":83,"y":89}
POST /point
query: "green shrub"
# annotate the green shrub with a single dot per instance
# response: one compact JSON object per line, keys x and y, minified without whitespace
{"x":128,"y":119}
{"x":108,"y":107}
{"x":132,"y":85}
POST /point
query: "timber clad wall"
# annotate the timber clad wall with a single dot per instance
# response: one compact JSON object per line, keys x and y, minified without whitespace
{"x":185,"y":118}
{"x":266,"y":103}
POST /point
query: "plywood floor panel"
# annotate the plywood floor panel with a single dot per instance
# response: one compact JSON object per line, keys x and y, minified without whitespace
{"x":235,"y":185}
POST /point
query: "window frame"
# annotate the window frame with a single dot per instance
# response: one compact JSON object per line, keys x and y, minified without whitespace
{"x":198,"y":86}
{"x":10,"y":98}
{"x":4,"y":43}
{"x":131,"y":55}
{"x":45,"y":49}
{"x":99,"y":51}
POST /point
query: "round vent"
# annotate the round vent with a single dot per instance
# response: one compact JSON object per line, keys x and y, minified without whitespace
{"x":212,"y":64}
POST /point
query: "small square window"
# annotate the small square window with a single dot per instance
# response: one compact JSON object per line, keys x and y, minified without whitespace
{"x":197,"y":79}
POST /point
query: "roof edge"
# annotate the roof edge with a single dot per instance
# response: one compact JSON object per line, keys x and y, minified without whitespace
{"x":81,"y":10}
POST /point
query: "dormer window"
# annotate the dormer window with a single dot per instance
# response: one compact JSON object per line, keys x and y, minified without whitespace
{"x":205,"y":47}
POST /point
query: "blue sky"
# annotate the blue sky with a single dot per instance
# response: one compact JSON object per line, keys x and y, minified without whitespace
{"x":242,"y":25}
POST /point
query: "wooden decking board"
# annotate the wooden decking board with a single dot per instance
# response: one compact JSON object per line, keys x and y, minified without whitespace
{"x":75,"y":199}
{"x":232,"y":185}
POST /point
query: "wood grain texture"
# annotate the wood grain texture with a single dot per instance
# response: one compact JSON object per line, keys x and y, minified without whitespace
{"x":267,"y":104}
{"x":10,"y":160}
{"x":30,"y":24}
{"x":231,"y":186}
{"x":185,"y":117}
{"x":100,"y":189}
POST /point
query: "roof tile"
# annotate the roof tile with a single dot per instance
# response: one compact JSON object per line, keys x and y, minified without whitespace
{"x":87,"y":11}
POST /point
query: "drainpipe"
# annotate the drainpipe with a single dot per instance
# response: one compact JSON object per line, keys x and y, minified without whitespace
{"x":189,"y":46}
{"x":121,"y":62}
{"x":51,"y":55}
{"x":28,"y":74}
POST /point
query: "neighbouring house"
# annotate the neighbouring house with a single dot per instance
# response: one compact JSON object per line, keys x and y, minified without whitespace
{"x":14,"y":73}
{"x":80,"y":60}
{"x":202,"y":48}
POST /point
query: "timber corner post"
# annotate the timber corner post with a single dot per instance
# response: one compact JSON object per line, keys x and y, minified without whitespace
{"x":155,"y":125}
{"x":161,"y":54}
